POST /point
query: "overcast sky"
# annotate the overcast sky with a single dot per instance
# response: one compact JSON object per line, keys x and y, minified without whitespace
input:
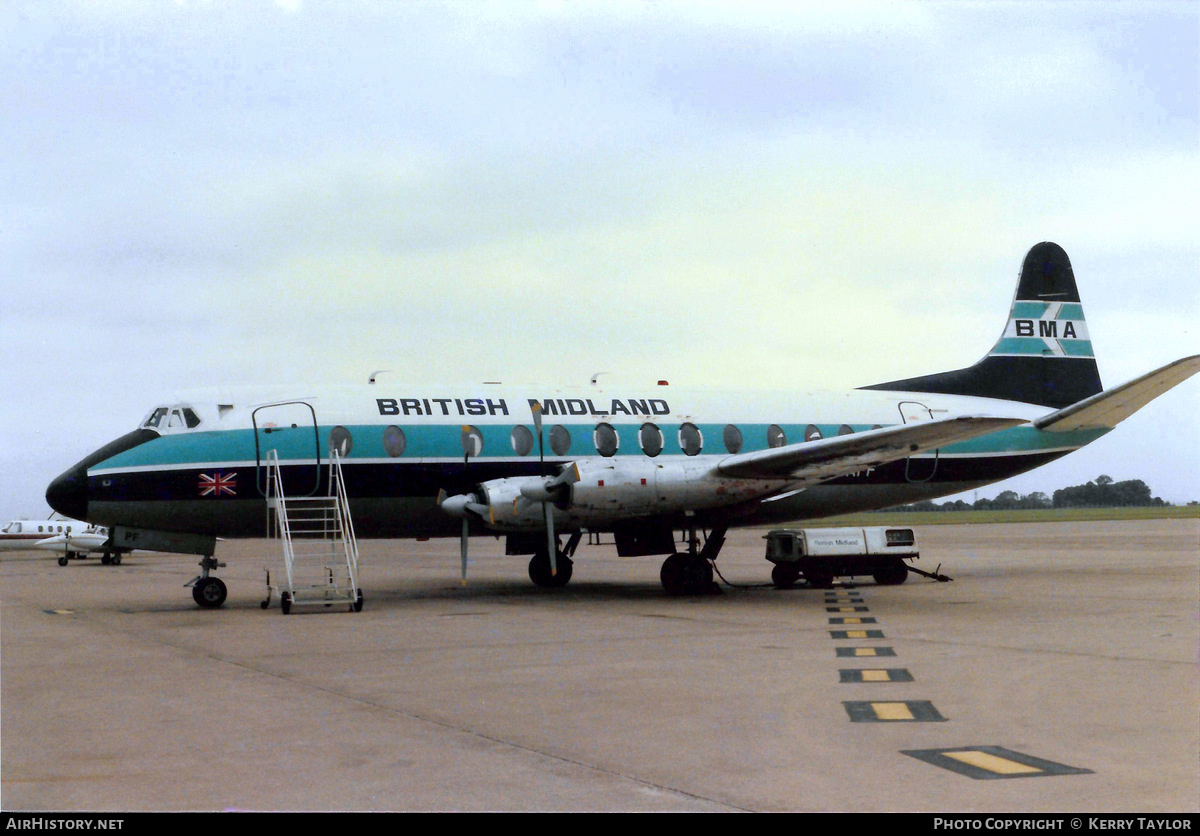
{"x":768,"y":194}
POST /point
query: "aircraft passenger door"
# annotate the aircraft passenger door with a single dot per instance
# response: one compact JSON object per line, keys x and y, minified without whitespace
{"x":918,"y":468}
{"x":291,"y":430}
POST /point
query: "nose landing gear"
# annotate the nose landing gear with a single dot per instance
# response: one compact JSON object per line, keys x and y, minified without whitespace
{"x":208,"y":592}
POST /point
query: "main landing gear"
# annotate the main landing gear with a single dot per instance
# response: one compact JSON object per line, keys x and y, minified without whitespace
{"x":208,"y":592}
{"x":539,"y":564}
{"x":691,"y":572}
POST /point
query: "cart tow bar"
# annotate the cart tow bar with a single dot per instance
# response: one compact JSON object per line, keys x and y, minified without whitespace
{"x":935,"y":574}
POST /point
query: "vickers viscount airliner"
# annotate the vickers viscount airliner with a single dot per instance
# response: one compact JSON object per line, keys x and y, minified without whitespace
{"x":638,"y":463}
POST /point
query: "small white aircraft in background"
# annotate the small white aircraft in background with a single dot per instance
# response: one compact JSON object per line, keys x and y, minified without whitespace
{"x":73,"y":538}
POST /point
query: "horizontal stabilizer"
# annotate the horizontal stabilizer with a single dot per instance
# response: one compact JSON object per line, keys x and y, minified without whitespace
{"x":1107,"y":409}
{"x":827,"y":458}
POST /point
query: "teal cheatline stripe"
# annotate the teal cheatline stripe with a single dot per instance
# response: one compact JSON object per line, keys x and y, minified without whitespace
{"x":1078,"y":348}
{"x":1028,"y":310}
{"x":1025,"y":440}
{"x":222,"y":446}
{"x":1020,"y":345}
{"x":1071,"y":312}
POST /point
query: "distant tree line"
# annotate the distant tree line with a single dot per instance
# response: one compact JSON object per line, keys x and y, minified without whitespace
{"x":1102,"y":493}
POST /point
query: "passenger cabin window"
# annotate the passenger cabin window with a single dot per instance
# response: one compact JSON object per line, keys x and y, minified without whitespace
{"x":472,"y":441}
{"x":560,"y":440}
{"x":776,"y":437}
{"x":812,"y":432}
{"x":845,"y":429}
{"x":394,"y":441}
{"x":651,"y":439}
{"x":606,"y":439}
{"x":341,"y":440}
{"x":691,"y":442}
{"x":732,"y":438}
{"x":522,"y":440}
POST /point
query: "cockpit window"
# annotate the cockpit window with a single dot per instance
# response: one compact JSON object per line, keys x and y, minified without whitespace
{"x":172,"y":417}
{"x":156,"y":417}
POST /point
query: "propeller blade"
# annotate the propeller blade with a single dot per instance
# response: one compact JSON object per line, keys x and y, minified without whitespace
{"x":468,"y":444}
{"x":536,"y":409}
{"x":463,"y":545}
{"x":553,"y":541}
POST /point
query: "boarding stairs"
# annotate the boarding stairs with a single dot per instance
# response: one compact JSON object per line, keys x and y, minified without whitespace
{"x":320,"y":552}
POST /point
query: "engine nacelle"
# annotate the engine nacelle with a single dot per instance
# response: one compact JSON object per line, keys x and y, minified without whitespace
{"x":610,"y":490}
{"x":510,"y":510}
{"x":605,"y":491}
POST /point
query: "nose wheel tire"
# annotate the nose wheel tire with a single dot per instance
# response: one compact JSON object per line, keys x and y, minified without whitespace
{"x":209,"y":593}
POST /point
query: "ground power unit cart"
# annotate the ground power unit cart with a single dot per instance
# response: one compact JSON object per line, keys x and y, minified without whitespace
{"x":821,"y":554}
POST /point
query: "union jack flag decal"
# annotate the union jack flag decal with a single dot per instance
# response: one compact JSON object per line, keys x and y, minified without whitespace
{"x":218,"y":484}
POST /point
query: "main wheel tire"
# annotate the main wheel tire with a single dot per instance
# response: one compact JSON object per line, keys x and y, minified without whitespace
{"x":539,"y":570}
{"x":785,"y":575}
{"x":285,"y":602}
{"x":819,"y":578}
{"x":685,"y":574}
{"x":892,"y":575}
{"x":672,"y":573}
{"x":116,"y":560}
{"x":209,"y":593}
{"x":358,"y":601}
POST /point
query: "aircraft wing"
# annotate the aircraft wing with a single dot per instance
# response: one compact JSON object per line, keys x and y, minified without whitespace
{"x":1111,"y":407}
{"x":826,"y":458}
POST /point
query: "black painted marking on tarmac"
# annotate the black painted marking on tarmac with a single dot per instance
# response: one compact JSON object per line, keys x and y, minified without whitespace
{"x":856,"y":634}
{"x":853,"y":620}
{"x":875,"y":675}
{"x":847,"y":609}
{"x":885,"y":711}
{"x":857,"y":652}
{"x":989,"y":762}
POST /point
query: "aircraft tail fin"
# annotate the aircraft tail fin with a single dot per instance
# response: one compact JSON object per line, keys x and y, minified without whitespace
{"x":1044,"y":355}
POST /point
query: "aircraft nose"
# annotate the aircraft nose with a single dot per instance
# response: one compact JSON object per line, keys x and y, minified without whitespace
{"x":68,"y":493}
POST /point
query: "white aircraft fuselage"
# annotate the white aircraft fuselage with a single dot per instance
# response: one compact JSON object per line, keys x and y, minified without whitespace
{"x":638,"y":461}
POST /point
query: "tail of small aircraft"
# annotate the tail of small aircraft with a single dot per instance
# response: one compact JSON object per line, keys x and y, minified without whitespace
{"x":1044,"y":355}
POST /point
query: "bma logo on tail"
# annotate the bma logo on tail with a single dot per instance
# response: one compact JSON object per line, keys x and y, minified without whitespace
{"x":1045,"y":329}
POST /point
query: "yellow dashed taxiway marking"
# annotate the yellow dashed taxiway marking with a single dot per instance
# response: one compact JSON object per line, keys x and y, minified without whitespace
{"x":989,"y":762}
{"x":992,"y":763}
{"x":892,"y":710}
